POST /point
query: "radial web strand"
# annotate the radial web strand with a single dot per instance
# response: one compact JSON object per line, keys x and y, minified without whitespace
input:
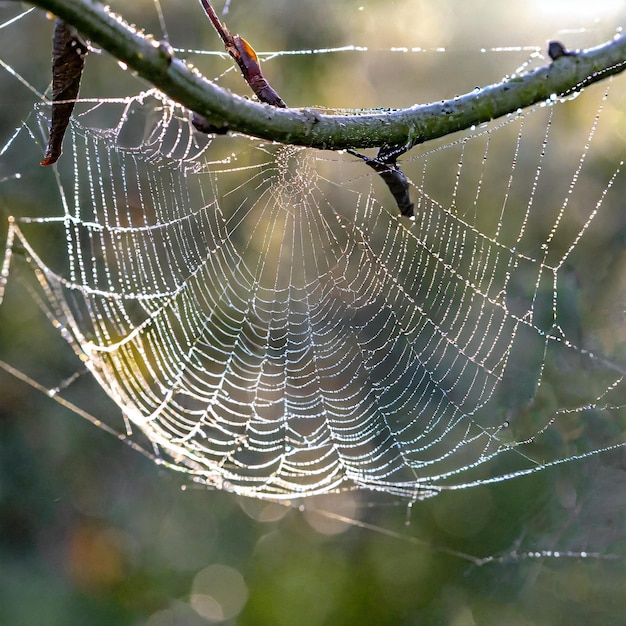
{"x":273,"y":326}
{"x":277,"y":331}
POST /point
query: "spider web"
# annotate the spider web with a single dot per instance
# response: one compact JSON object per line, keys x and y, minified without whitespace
{"x":264,"y":316}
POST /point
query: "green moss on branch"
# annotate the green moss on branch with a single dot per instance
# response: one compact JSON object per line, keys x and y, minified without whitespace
{"x":155,"y":62}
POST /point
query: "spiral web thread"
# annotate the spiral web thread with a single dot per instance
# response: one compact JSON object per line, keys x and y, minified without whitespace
{"x":263,"y":315}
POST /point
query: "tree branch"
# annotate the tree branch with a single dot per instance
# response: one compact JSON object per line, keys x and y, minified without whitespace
{"x":155,"y":61}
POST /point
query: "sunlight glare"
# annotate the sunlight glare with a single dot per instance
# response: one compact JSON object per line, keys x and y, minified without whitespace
{"x":579,"y":8}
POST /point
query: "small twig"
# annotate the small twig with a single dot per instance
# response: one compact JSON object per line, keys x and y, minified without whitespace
{"x":394,"y":178}
{"x":246,"y":58}
{"x":68,"y":61}
{"x":556,"y":50}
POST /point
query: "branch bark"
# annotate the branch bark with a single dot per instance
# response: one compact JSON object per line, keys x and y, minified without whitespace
{"x":155,"y":61}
